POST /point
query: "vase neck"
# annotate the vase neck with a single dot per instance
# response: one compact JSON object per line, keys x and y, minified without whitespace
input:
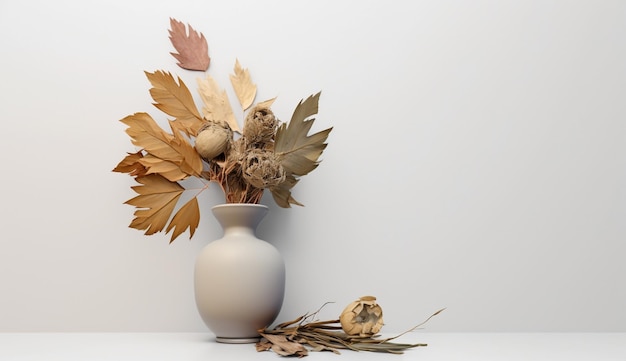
{"x":239,"y":217}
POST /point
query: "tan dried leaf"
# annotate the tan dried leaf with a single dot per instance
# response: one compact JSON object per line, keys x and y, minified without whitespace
{"x":190,"y":161}
{"x":167,"y":169}
{"x":175,"y":100}
{"x":216,"y":104}
{"x":131,"y":164}
{"x":145,"y":133}
{"x":155,"y":202}
{"x":282,"y":193}
{"x":267,"y":103}
{"x":243,"y":86}
{"x":193,"y":50}
{"x":188,"y":216}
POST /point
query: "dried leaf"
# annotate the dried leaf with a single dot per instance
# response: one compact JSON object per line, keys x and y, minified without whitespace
{"x":190,"y":161}
{"x":243,"y":86}
{"x":289,"y":323}
{"x":145,"y":133}
{"x":263,"y":345}
{"x":282,"y":193}
{"x":155,"y":202}
{"x":188,"y":216}
{"x":267,"y":103}
{"x":216,"y":104}
{"x":297,"y":151}
{"x":175,"y":100}
{"x":131,"y":164}
{"x":193,"y":50}
{"x":323,"y":336}
{"x":167,"y":169}
{"x":284,"y":347}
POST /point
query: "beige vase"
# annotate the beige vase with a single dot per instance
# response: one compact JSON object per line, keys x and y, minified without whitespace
{"x":239,"y":279}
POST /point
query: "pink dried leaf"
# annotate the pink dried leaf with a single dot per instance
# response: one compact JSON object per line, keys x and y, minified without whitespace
{"x":192,"y":47}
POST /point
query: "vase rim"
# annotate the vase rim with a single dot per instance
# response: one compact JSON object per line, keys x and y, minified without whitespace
{"x":243,"y":205}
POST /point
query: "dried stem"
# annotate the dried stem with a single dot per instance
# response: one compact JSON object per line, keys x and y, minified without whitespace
{"x":286,"y":338}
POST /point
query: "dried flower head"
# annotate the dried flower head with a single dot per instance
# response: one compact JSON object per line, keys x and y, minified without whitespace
{"x":262,"y":169}
{"x":363,"y":317}
{"x":213,"y":139}
{"x":260,"y":125}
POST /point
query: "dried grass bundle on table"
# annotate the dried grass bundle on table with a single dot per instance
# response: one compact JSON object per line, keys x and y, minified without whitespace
{"x":356,"y":329}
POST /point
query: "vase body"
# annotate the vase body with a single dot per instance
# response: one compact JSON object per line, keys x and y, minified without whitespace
{"x":239,"y":279}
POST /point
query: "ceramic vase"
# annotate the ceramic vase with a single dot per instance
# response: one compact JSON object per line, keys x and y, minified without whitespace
{"x":239,"y":279}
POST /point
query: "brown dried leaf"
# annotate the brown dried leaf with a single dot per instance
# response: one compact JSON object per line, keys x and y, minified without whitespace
{"x":263,"y":345}
{"x":243,"y":86}
{"x":216,"y":104}
{"x":145,"y":133}
{"x":323,"y":336}
{"x":284,"y":347}
{"x":175,"y":100}
{"x":131,"y":164}
{"x":188,"y":216}
{"x":193,"y":50}
{"x":297,"y":151}
{"x":155,"y":202}
{"x":282,"y":193}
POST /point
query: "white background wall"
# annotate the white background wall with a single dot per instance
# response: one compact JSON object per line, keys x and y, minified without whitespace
{"x":477,"y":161}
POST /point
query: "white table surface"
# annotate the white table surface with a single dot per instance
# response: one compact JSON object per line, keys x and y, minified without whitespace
{"x":202,"y":346}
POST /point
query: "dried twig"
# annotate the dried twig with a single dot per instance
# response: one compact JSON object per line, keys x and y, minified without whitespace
{"x":298,"y":336}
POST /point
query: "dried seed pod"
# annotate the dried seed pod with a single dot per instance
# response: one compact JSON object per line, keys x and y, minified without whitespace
{"x":213,"y":140}
{"x":262,"y":170}
{"x":363,"y":317}
{"x":260,"y":125}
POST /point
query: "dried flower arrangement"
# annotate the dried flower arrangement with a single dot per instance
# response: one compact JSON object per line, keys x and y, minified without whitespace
{"x":267,"y":154}
{"x":356,"y":329}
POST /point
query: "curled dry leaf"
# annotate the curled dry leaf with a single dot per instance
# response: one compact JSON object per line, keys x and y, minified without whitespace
{"x":130,"y":164}
{"x":363,"y":317}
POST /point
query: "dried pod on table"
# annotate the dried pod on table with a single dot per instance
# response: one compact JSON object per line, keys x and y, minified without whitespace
{"x":363,"y":317}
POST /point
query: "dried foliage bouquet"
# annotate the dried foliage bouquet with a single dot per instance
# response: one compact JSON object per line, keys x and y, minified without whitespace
{"x":209,"y":144}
